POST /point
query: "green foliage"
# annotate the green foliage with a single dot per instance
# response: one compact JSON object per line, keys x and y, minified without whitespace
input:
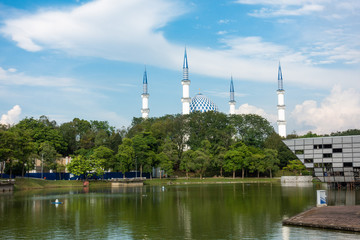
{"x":186,"y":163}
{"x":216,"y":141}
{"x":274,"y":141}
{"x":124,"y":160}
{"x":271,"y":161}
{"x":81,"y":165}
{"x":48,"y":155}
{"x":348,"y":132}
{"x":145,"y":147}
{"x":257,"y":161}
{"x":251,"y":129}
{"x":237,"y":158}
{"x":165,"y":163}
{"x":104,"y":154}
{"x":295,"y":166}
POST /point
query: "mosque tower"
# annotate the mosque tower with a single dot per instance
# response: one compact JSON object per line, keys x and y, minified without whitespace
{"x":145,"y":98}
{"x":186,"y":87}
{"x":232,"y":101}
{"x":281,"y":105}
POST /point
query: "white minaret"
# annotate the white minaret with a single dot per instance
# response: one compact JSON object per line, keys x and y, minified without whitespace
{"x":186,"y":87}
{"x":232,"y":101}
{"x":145,"y":98}
{"x":281,"y":105}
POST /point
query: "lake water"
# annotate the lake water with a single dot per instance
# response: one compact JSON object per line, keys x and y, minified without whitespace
{"x":207,"y":211}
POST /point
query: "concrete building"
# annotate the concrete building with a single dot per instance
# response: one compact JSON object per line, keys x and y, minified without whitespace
{"x":333,"y":159}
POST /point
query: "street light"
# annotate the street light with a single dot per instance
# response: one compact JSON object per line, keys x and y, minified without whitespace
{"x":42,"y":165}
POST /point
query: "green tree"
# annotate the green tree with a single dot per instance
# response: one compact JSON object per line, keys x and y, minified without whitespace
{"x":202,"y":158}
{"x":186,"y":163}
{"x":48,"y":154}
{"x":7,"y":148}
{"x":295,"y":166}
{"x":165,"y":163}
{"x":23,"y":149}
{"x":251,"y":129}
{"x":145,"y":146}
{"x":271,"y":160}
{"x":257,"y":162}
{"x":237,"y":158}
{"x":105,"y":155}
{"x":125,"y":157}
{"x":274,"y":141}
{"x":87,"y":166}
{"x":219,"y":158}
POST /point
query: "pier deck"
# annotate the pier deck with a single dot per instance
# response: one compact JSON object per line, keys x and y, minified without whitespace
{"x":330,"y":217}
{"x":7,"y":185}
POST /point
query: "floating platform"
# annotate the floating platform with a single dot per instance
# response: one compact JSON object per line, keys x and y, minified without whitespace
{"x":127,"y":182}
{"x":345,"y":218}
{"x":7,"y":185}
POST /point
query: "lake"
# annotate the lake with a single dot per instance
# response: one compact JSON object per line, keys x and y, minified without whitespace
{"x":204,"y":211}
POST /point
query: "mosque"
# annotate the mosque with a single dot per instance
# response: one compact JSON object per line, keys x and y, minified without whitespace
{"x":203,"y":104}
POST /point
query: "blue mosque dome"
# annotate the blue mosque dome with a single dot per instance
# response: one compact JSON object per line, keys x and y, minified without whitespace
{"x":202,"y":104}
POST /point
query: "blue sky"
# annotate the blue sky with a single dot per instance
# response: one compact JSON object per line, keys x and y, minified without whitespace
{"x":85,"y":59}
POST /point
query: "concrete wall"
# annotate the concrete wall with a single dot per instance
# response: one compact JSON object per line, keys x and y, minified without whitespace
{"x":285,"y":179}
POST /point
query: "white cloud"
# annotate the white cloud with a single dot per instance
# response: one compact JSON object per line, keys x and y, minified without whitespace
{"x":280,"y":2}
{"x":223,"y":21}
{"x":222,"y":32}
{"x":254,"y":47}
{"x":131,"y":31}
{"x":337,"y":112}
{"x":304,"y":10}
{"x":12,"y":116}
{"x":111,"y":29}
{"x":12,"y":77}
{"x":250,"y":109}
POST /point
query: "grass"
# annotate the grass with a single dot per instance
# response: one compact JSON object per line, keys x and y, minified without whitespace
{"x":166,"y":181}
{"x":31,"y":183}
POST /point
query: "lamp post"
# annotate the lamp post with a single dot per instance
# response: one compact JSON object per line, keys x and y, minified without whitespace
{"x":136,"y":167}
{"x":42,"y":165}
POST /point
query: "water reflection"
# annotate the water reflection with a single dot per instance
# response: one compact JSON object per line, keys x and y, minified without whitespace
{"x":215,"y":211}
{"x":343,"y":197}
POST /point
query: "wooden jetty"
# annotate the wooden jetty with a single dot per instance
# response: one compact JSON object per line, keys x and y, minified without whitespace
{"x":330,"y":217}
{"x":127,"y":182}
{"x":7,"y":185}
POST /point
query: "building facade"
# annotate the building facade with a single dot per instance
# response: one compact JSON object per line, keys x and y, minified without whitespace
{"x":333,"y":159}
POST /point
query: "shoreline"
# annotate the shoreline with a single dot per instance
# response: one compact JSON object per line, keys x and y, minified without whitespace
{"x":29,"y":183}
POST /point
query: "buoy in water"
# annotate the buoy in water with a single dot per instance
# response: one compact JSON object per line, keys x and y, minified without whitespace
{"x":57,"y":202}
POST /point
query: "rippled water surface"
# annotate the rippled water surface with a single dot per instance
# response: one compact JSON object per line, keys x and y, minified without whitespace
{"x":213,"y":211}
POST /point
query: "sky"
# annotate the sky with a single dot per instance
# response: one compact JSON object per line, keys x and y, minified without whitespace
{"x":86,"y":59}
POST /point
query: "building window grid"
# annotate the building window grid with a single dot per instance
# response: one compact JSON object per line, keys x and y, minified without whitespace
{"x":327,"y":168}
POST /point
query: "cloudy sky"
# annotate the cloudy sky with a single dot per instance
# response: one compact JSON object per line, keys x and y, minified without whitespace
{"x":75,"y":58}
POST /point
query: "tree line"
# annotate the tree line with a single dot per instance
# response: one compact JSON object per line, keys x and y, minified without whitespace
{"x":198,"y":144}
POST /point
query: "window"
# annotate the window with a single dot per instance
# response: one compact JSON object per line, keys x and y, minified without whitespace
{"x":308,"y":160}
{"x":328,"y":165}
{"x":341,"y":174}
{"x":321,"y":146}
{"x":327,"y":155}
{"x":337,"y":150}
{"x":348,"y":164}
{"x":318,"y":165}
{"x":299,"y":151}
